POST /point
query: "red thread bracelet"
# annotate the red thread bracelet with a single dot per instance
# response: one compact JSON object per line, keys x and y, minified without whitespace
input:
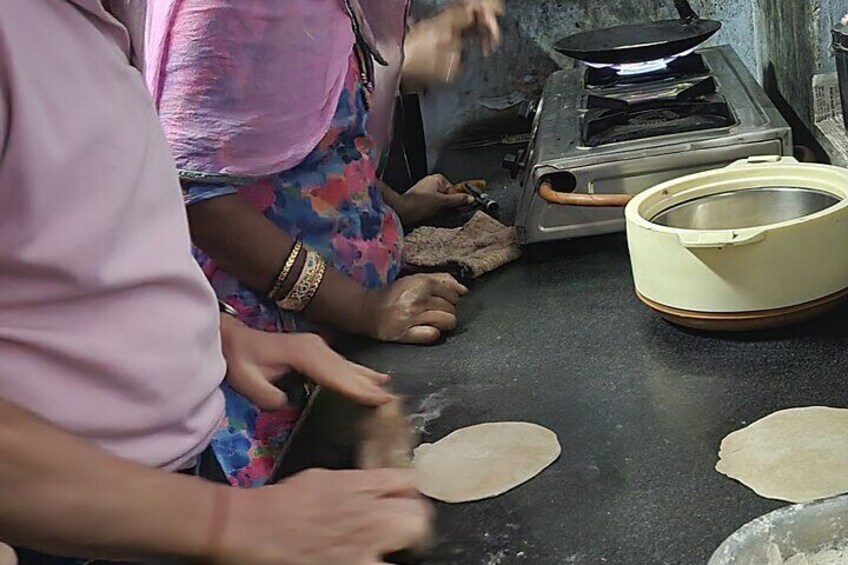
{"x":218,"y":525}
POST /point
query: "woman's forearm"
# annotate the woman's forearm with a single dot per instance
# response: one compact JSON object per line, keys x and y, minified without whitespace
{"x":246,"y":244}
{"x":395,"y":201}
{"x":241,"y":240}
{"x":60,"y":494}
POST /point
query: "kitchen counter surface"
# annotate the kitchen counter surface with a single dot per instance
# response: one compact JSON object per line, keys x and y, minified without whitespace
{"x":639,"y":406}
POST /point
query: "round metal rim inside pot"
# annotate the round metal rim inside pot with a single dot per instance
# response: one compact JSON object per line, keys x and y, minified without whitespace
{"x":747,"y":208}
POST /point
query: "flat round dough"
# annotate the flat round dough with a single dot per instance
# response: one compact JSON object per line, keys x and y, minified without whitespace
{"x":483,"y":461}
{"x":796,"y":455}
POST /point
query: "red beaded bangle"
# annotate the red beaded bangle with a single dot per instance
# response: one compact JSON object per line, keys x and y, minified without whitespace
{"x":218,"y":523}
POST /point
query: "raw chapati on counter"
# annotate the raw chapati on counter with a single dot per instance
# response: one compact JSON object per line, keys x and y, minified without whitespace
{"x":483,"y":461}
{"x":796,"y":455}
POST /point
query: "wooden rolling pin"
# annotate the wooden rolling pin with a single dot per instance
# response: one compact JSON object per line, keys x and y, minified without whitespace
{"x":386,"y":441}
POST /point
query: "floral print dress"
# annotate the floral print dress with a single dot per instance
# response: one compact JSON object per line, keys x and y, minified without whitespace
{"x":332,"y":202}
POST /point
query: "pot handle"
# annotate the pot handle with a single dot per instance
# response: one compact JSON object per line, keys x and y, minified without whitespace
{"x":719,"y":239}
{"x":548,"y":194}
{"x":685,"y":11}
{"x":763,"y":160}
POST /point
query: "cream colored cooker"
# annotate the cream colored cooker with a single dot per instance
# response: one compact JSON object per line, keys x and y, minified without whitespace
{"x":759,"y":243}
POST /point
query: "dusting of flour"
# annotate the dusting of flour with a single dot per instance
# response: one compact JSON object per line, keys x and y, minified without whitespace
{"x":823,"y":557}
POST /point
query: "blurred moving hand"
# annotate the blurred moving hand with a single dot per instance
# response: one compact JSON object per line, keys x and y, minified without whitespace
{"x":433,"y":47}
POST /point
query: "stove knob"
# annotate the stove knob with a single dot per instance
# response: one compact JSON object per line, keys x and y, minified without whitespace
{"x":515,"y":162}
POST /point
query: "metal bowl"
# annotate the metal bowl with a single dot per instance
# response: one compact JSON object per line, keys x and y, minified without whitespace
{"x":750,"y":207}
{"x":805,"y":528}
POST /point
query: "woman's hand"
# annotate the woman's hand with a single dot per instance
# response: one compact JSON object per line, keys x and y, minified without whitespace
{"x":481,"y":18}
{"x":416,"y":309}
{"x":256,"y":360}
{"x":429,"y":198}
{"x":323,"y":517}
{"x":433,"y":47}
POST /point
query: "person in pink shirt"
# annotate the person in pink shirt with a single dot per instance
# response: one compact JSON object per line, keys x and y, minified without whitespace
{"x":112,"y":349}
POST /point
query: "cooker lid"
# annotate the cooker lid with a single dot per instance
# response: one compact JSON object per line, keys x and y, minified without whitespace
{"x":641,"y":43}
{"x":747,"y":208}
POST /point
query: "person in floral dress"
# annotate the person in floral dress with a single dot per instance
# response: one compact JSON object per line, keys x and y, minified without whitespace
{"x":266,"y":108}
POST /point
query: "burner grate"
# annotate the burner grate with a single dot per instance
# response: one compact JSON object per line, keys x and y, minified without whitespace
{"x":612,"y":120}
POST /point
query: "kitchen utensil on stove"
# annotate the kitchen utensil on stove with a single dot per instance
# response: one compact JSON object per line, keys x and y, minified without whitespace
{"x":640,"y":43}
{"x":750,"y":246}
{"x":784,"y":533}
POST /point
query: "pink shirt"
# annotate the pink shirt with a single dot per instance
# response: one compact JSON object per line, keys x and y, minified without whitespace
{"x":107,"y":326}
{"x":248,"y":89}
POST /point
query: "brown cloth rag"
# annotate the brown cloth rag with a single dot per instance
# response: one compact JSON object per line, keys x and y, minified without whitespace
{"x":480,"y":246}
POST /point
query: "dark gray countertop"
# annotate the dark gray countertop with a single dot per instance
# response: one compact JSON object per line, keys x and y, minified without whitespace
{"x":639,"y":406}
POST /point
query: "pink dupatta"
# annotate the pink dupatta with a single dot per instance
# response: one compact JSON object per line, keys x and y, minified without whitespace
{"x":247,"y":88}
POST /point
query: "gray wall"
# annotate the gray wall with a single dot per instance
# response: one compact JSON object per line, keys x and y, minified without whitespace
{"x":797,"y":46}
{"x":783,"y":42}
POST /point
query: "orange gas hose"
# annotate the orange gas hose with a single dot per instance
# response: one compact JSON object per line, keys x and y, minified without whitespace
{"x":547,"y":192}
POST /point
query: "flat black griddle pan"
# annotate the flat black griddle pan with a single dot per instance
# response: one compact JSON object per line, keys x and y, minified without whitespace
{"x":651,"y":41}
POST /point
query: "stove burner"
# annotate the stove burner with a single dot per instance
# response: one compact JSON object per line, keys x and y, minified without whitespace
{"x":680,"y":67}
{"x":640,"y":67}
{"x":612,"y":120}
{"x":626,"y":99}
{"x":652,"y":117}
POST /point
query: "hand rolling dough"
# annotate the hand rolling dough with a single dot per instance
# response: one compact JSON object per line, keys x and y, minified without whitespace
{"x":385,"y":442}
{"x":796,"y":455}
{"x":386,"y":438}
{"x":483,"y":461}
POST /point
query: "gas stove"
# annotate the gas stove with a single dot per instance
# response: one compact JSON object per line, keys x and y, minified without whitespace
{"x":604,"y":133}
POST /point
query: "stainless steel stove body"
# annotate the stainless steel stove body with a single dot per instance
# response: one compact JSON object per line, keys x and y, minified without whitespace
{"x":565,"y":151}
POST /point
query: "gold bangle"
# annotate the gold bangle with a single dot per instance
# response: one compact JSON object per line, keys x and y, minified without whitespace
{"x":286,"y":270}
{"x":307,"y":284}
